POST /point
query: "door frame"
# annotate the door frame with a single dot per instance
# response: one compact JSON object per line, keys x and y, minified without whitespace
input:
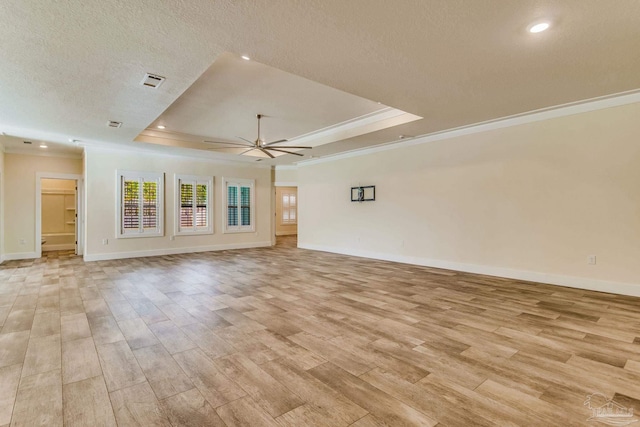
{"x":277,"y":203}
{"x":79,"y":209}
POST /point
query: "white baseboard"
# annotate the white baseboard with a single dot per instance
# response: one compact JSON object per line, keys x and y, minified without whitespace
{"x":621,"y":288}
{"x":173,"y":251}
{"x":19,"y":255}
{"x":61,"y":247}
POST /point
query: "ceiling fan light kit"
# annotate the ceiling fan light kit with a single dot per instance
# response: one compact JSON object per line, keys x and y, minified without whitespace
{"x":259,"y":145}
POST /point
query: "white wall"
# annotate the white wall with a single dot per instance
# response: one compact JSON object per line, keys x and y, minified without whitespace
{"x":100,"y":180}
{"x":20,"y":198}
{"x":530,"y":201}
{"x":2,"y":177}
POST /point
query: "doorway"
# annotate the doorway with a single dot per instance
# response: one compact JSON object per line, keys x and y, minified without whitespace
{"x":286,"y":211}
{"x":58,"y":213}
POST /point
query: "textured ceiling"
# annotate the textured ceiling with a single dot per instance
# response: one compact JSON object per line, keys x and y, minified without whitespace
{"x":68,"y":68}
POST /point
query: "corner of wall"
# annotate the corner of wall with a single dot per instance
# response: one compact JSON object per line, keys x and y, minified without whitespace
{"x":2,"y":179}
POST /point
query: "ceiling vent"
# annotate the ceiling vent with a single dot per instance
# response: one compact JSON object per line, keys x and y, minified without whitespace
{"x":27,"y":142}
{"x":152,"y":80}
{"x":113,"y":124}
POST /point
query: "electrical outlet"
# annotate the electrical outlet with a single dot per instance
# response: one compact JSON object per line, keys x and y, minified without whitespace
{"x":172,"y":238}
{"x":105,"y":241}
{"x":591,"y":260}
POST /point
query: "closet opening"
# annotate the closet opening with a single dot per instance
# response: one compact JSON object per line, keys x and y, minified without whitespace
{"x":59,"y":213}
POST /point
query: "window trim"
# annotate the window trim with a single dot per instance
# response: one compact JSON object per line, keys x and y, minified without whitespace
{"x":144,"y":176}
{"x":179,"y":178}
{"x":239,"y":182}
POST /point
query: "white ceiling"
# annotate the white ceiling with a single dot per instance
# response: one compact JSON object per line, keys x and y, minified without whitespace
{"x":68,"y":69}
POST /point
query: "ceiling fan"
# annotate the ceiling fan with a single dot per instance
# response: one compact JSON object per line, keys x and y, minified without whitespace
{"x":258,"y":145}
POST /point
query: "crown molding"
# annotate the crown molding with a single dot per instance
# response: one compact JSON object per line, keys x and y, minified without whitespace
{"x":584,"y":106}
{"x":152,"y":152}
{"x":41,"y":153}
{"x":360,"y":125}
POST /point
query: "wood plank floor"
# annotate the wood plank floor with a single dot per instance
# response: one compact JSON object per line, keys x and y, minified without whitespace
{"x":288,"y":337}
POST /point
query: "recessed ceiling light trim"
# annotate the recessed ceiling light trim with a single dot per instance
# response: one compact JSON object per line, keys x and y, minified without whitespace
{"x":43,"y":145}
{"x":245,"y":57}
{"x":539,"y":27}
{"x":161,"y":127}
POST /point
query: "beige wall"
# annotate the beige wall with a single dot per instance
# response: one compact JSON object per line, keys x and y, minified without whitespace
{"x":530,"y":201}
{"x":58,"y":184}
{"x":20,"y":196}
{"x":101,"y":166}
{"x":284,"y":229}
{"x":286,"y":175}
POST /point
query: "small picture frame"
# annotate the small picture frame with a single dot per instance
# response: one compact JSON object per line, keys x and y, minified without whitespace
{"x":363,"y":193}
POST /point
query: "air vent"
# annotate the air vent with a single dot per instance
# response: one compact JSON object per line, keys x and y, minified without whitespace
{"x":27,"y":142}
{"x":152,"y":80}
{"x":113,"y":124}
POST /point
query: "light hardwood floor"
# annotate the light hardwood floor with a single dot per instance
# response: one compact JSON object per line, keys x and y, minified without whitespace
{"x":288,"y":337}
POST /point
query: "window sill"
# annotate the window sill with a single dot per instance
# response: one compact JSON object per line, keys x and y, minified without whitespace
{"x":139,"y":235}
{"x":193,"y":233}
{"x":245,"y":230}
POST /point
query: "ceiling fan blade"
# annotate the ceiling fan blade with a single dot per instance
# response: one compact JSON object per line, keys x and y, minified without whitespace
{"x":228,"y":143}
{"x":233,"y":148}
{"x":246,"y":140}
{"x":292,"y":146}
{"x":267,"y":153}
{"x":284,"y":151}
{"x":275,"y":142}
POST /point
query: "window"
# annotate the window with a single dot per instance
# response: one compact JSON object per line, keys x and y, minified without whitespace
{"x":193,"y":196}
{"x":289,"y":208}
{"x":240,"y":205}
{"x":140,"y":204}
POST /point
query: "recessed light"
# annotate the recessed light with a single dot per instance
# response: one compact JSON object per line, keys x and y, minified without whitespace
{"x":160,"y":127}
{"x":43,"y":145}
{"x":245,"y":57}
{"x":539,"y":27}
